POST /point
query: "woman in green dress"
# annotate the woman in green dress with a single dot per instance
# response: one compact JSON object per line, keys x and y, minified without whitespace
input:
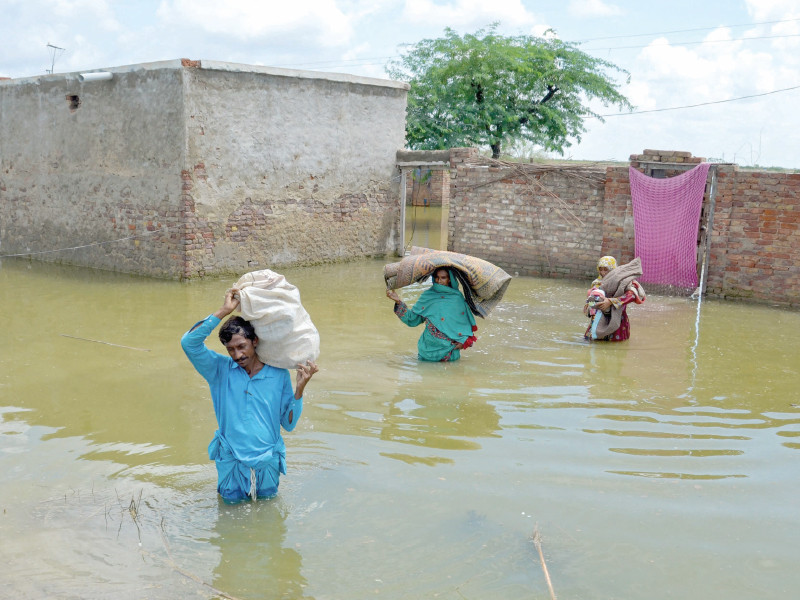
{"x":449,"y":323}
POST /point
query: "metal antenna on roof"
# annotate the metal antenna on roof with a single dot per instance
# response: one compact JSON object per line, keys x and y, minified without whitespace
{"x":54,"y":52}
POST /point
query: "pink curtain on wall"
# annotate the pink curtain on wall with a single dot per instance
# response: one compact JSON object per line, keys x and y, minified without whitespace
{"x":666,"y":219}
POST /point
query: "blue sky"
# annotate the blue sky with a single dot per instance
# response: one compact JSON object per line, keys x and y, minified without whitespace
{"x":678,"y":53}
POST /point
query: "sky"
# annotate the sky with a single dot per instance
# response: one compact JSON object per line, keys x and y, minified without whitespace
{"x":717,"y":78}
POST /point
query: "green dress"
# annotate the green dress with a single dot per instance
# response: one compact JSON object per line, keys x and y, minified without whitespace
{"x":447,"y":318}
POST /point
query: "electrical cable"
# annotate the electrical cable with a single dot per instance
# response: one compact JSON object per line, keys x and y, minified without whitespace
{"x":668,"y":44}
{"x":632,"y":35}
{"x":639,"y":112}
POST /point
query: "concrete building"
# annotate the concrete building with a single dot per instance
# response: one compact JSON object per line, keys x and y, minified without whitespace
{"x":183,"y":168}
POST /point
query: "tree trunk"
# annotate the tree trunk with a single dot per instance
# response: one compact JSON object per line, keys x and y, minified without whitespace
{"x":495,"y":150}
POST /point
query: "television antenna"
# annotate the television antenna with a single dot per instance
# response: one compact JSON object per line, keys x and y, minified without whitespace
{"x":55,"y":51}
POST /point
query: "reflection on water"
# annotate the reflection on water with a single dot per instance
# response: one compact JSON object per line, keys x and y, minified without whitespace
{"x":254,"y":561}
{"x":639,"y":461}
{"x":424,"y":227}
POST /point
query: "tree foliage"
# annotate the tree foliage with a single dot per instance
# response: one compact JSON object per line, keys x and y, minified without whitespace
{"x":489,"y":89}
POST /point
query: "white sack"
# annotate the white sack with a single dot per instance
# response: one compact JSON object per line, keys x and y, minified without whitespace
{"x":286,"y":335}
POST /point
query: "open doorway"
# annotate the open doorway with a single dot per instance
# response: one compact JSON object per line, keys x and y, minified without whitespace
{"x":426,"y":206}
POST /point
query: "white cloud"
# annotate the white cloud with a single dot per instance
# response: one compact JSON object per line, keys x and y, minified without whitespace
{"x":98,"y":11}
{"x":738,"y":119}
{"x":770,"y":10}
{"x":29,"y":26}
{"x":640,"y":95}
{"x":319,"y":20}
{"x":356,"y":52}
{"x":469,"y":14}
{"x":716,"y":70}
{"x":593,"y":8}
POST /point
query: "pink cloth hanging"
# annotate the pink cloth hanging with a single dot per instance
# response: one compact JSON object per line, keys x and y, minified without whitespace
{"x":666,"y":219}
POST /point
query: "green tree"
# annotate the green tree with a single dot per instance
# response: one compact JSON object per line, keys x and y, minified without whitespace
{"x":489,"y":89}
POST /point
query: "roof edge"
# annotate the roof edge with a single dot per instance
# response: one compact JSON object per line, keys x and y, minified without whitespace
{"x":215,"y":65}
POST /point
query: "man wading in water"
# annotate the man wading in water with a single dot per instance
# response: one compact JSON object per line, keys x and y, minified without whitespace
{"x":251,"y":402}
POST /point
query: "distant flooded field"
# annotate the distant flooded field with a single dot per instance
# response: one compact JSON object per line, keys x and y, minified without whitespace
{"x":664,"y":467}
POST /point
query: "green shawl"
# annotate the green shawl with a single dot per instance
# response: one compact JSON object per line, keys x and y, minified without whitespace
{"x":447,"y":310}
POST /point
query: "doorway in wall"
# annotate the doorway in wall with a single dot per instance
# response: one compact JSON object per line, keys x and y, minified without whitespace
{"x":425,"y":223}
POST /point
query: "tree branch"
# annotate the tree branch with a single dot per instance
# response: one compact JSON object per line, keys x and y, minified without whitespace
{"x":552,"y":90}
{"x":478,"y":91}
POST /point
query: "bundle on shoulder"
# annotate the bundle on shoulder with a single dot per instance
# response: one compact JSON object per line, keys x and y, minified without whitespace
{"x":286,"y":335}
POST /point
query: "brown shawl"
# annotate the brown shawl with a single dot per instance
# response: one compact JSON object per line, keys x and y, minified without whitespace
{"x":615,"y":284}
{"x":482,"y":282}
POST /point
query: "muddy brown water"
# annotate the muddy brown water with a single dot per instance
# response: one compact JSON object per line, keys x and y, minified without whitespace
{"x":667,"y":466}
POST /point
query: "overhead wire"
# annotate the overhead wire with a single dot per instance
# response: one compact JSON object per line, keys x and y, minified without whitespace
{"x":373,"y":60}
{"x":631,"y":35}
{"x":639,"y":112}
{"x":744,"y":39}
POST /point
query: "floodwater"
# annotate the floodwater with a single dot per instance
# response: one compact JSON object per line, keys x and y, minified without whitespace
{"x":667,"y":466}
{"x":423,"y":227}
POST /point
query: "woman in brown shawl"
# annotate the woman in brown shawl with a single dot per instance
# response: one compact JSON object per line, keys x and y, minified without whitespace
{"x":609,"y":318}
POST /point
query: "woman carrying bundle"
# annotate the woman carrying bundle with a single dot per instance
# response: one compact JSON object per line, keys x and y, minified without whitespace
{"x":449,"y":323}
{"x":608,"y":298}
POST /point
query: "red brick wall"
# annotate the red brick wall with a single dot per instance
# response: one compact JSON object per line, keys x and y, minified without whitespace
{"x":556,"y":224}
{"x":427,"y":186}
{"x":529,"y":220}
{"x":755,"y":250}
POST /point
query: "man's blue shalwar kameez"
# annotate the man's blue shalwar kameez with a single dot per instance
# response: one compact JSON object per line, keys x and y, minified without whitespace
{"x":247,"y":448}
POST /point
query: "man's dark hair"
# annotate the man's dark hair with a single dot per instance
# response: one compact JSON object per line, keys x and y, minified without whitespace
{"x":236,"y":326}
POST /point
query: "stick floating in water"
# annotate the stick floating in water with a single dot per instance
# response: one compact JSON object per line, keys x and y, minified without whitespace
{"x":537,"y":541}
{"x":102,"y":342}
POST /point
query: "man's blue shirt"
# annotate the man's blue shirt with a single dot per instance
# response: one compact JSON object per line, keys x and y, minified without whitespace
{"x":250,"y":410}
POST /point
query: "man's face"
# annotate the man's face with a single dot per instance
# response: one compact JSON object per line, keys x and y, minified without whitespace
{"x":243,"y":351}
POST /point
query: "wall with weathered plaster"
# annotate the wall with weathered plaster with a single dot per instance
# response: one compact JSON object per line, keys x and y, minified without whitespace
{"x":288,"y":167}
{"x":83,"y":164}
{"x":208,"y":167}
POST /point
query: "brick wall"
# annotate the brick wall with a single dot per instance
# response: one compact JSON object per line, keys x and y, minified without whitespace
{"x":93,"y":182}
{"x":755,"y":247}
{"x":288,"y":168}
{"x":427,"y":185}
{"x":531,"y":220}
{"x":556,"y":220}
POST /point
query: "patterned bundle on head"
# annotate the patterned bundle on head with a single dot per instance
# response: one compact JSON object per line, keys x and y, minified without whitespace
{"x":482,"y":282}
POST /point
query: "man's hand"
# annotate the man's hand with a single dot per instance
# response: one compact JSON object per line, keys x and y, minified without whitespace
{"x":230,"y":304}
{"x":304,"y":374}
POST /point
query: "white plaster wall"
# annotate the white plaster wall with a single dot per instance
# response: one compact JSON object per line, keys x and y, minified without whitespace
{"x":93,"y":175}
{"x":233,"y":167}
{"x":293,"y":144}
